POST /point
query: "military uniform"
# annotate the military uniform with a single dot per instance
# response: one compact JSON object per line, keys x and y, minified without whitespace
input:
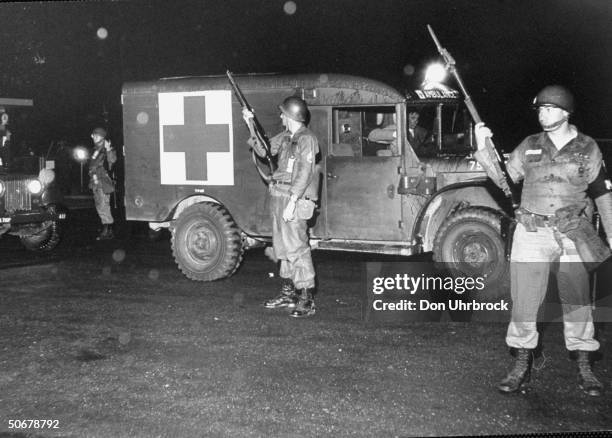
{"x":296,"y":175}
{"x":553,"y":179}
{"x":102,"y":185}
{"x":5,"y":142}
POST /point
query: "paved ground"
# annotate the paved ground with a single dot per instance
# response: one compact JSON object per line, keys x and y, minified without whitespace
{"x":110,"y":340}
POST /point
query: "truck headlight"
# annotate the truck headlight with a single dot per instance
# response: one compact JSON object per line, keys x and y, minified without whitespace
{"x":46,"y":176}
{"x":35,"y":187}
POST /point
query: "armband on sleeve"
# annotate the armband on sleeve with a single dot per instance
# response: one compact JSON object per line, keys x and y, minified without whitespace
{"x":600,"y":185}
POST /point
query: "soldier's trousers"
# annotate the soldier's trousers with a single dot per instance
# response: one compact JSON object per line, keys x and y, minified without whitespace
{"x":290,"y":242}
{"x":102,"y":201}
{"x":533,"y":254}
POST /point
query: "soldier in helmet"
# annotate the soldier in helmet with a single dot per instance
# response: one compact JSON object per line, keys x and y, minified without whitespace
{"x":5,"y":139}
{"x":293,"y":193}
{"x":560,"y":168}
{"x":101,"y":161}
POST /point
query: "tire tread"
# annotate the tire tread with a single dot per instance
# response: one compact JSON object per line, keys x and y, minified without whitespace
{"x":233,"y":241}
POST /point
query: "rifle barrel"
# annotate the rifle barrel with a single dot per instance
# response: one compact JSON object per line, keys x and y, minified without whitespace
{"x":434,"y":37}
{"x":506,"y":182}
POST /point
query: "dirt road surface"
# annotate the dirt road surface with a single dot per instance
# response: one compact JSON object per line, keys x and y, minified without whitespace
{"x":111,"y":340}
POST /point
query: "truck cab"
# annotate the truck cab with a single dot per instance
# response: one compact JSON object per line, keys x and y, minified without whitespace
{"x":188,"y":168}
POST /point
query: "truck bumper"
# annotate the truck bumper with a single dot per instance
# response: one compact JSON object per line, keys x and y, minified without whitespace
{"x":52,"y":213}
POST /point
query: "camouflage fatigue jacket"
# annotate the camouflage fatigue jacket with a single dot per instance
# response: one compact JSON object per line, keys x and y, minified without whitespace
{"x":552,"y":178}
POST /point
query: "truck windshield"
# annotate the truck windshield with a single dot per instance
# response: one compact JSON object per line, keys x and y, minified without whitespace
{"x":439,"y":129}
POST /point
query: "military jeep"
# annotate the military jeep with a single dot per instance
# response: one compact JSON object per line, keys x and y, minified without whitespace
{"x":30,"y":209}
{"x":188,"y":168}
{"x":30,"y":202}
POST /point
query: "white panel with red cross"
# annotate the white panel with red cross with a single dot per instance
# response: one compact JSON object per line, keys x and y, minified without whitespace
{"x":195,"y":138}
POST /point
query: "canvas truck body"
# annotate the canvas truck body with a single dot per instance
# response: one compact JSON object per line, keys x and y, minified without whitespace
{"x":188,"y":167}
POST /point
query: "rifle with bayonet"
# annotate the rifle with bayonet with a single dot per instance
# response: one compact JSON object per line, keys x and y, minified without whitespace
{"x":500,"y":167}
{"x":255,"y":128}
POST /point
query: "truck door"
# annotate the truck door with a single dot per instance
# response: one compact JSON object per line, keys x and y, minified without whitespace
{"x":361,"y":177}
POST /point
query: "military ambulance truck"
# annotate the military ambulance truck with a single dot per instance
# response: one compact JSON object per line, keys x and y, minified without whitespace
{"x":188,"y":168}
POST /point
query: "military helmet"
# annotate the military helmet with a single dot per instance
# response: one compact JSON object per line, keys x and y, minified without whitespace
{"x":556,"y":95}
{"x":99,"y":131}
{"x":295,"y":108}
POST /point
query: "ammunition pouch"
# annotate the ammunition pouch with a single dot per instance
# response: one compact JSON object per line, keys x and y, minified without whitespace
{"x":304,"y":209}
{"x":526,"y":219}
{"x":591,"y":248}
{"x":572,"y":222}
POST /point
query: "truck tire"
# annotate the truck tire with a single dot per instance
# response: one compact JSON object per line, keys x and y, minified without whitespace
{"x":469,"y":243}
{"x":43,"y":241}
{"x":206,"y":242}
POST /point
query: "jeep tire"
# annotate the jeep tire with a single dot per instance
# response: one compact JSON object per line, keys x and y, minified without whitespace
{"x":469,"y":243}
{"x":43,"y":241}
{"x":206,"y":242}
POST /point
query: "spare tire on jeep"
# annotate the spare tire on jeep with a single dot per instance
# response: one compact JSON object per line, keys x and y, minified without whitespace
{"x":44,"y":240}
{"x":469,"y":243}
{"x":206,"y":242}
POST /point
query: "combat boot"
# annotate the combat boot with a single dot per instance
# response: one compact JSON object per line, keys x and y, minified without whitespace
{"x":305,"y":305}
{"x":106,"y":233}
{"x":520,"y":374}
{"x":586,"y":379}
{"x":287,"y":297}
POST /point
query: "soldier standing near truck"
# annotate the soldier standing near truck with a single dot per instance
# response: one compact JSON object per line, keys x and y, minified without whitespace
{"x":560,"y":168}
{"x":293,"y":193}
{"x":5,"y":140}
{"x":100,"y":182}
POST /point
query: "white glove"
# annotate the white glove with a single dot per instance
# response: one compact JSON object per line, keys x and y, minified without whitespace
{"x":482,"y":132}
{"x":289,"y":211}
{"x":247,"y":115}
{"x":107,"y":145}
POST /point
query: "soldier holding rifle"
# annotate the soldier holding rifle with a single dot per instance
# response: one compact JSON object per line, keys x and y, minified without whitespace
{"x":561,"y":168}
{"x":293,"y":193}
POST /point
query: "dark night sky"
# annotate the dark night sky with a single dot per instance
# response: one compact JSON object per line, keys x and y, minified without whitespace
{"x":506,"y":51}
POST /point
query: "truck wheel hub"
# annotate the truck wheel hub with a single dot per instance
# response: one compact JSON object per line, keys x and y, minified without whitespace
{"x":473,"y":250}
{"x":202,"y":242}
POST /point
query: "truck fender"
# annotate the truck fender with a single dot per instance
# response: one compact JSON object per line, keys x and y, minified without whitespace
{"x":447,"y":200}
{"x":180,"y":207}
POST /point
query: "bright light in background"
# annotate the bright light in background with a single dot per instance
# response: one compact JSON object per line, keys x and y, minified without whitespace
{"x":102,"y":33}
{"x":80,"y":154}
{"x":289,"y":8}
{"x":435,"y":73}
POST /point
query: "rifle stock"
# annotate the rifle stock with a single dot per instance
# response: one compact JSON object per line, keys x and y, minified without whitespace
{"x":255,"y":128}
{"x":505,"y":182}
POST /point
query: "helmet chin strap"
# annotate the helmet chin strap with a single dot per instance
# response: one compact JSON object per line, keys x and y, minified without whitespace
{"x":555,"y":125}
